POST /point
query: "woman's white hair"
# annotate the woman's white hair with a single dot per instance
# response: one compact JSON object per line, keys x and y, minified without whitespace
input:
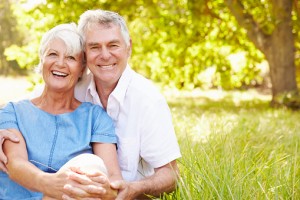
{"x":68,"y":33}
{"x":102,"y":17}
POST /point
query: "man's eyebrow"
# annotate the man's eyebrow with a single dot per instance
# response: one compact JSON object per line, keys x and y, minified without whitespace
{"x":92,"y":43}
{"x":110,"y":42}
{"x":114,"y":41}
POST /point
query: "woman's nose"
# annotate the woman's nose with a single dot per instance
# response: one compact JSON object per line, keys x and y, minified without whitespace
{"x":60,"y":61}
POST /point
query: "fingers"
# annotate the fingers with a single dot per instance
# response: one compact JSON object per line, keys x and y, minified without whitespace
{"x":80,"y":178}
{"x":89,"y":173}
{"x":84,"y":191}
{"x":66,"y":197}
{"x":3,"y":158}
{"x":8,"y":135}
{"x":122,"y":188}
{"x":83,"y":186}
{"x":96,"y":173}
{"x":5,"y":135}
{"x":118,"y":185}
{"x":86,"y":180}
{"x":77,"y":170}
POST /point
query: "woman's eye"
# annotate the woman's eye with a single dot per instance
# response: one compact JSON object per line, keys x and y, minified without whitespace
{"x":52,"y":54}
{"x":71,"y":57}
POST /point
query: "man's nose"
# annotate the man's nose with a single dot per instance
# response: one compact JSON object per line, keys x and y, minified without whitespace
{"x":105,"y":53}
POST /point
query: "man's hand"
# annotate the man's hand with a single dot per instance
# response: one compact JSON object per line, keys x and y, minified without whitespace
{"x":125,"y":191}
{"x":87,"y":185}
{"x":5,"y":135}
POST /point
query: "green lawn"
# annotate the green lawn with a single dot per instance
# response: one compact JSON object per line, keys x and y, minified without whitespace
{"x":234,"y":146}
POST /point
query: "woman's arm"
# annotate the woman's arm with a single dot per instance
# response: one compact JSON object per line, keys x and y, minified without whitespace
{"x":108,"y":153}
{"x":28,"y":175}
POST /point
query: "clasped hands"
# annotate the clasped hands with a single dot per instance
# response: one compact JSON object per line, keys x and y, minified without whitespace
{"x":87,"y":185}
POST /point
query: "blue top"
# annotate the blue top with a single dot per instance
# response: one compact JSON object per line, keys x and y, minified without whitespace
{"x":52,"y":140}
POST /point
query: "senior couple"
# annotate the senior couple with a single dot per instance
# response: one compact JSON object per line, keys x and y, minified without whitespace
{"x":48,"y":141}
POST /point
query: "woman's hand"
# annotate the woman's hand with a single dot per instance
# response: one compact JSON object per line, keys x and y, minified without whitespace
{"x":88,"y":185}
{"x":53,"y":184}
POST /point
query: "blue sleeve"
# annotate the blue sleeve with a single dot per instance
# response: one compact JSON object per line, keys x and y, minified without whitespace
{"x":8,"y":117}
{"x":103,"y":127}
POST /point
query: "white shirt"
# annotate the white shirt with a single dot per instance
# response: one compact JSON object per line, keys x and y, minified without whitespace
{"x":143,"y":122}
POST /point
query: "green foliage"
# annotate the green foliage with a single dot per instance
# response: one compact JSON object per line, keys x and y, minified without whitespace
{"x":234,"y":146}
{"x":296,"y":31}
{"x":184,"y":44}
{"x":9,"y":34}
{"x":172,"y":44}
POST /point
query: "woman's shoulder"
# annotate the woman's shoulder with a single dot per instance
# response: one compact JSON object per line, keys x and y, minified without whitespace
{"x":17,"y":104}
{"x":91,"y":106}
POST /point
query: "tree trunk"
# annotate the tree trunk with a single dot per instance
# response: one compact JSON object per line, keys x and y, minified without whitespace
{"x":281,"y":52}
{"x":278,"y":48}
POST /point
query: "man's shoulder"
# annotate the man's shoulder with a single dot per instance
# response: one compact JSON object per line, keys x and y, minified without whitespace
{"x":82,"y":87}
{"x":144,"y":87}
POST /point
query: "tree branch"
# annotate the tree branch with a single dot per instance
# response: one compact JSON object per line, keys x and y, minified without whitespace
{"x":246,"y":20}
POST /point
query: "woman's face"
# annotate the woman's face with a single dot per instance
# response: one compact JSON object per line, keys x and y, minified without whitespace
{"x":60,"y":70}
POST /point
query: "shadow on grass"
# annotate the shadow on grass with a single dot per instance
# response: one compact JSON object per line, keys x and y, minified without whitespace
{"x":228,"y":103}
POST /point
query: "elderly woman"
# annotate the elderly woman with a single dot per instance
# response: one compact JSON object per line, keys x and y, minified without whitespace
{"x":55,"y":127}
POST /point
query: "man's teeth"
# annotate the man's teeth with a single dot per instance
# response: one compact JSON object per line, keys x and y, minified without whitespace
{"x":57,"y":73}
{"x":106,"y":66}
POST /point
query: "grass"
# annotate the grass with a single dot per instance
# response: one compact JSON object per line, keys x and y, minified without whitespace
{"x":234,"y":146}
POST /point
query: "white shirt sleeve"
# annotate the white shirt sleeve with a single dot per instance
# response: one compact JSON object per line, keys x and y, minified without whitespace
{"x":159,"y":144}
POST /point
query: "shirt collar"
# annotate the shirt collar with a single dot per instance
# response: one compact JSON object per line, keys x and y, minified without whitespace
{"x":120,"y":91}
{"x":92,"y":90}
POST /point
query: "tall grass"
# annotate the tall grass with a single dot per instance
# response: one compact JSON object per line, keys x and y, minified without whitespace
{"x":236,"y":147}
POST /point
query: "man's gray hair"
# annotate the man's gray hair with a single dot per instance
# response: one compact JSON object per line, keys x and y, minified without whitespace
{"x":102,"y":17}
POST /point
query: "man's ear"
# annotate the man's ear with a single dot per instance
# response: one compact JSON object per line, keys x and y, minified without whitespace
{"x":129,"y":48}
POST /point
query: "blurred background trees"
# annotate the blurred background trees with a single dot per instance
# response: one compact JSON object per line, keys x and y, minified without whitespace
{"x":187,"y":44}
{"x":9,"y":35}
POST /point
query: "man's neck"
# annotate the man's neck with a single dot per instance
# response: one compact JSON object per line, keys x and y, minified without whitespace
{"x":103,"y":92}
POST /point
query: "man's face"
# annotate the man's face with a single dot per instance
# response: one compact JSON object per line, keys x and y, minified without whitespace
{"x":106,"y":53}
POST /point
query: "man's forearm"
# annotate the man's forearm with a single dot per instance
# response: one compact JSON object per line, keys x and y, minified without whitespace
{"x":163,"y":181}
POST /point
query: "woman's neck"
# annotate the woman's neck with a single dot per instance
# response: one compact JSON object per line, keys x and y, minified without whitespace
{"x":56,"y":103}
